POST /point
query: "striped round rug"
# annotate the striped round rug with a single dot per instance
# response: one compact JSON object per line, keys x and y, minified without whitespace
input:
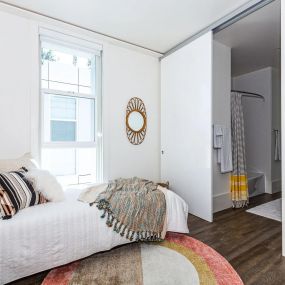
{"x":178,"y":260}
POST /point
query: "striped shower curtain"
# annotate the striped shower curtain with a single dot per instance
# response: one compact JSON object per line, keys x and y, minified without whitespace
{"x":239,"y":185}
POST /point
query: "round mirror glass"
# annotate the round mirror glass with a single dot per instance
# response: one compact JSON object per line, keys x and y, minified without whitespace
{"x":136,"y":121}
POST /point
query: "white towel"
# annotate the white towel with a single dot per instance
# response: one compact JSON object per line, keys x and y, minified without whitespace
{"x":277,"y":150}
{"x":218,"y":140}
{"x":226,"y":152}
{"x":223,"y":144}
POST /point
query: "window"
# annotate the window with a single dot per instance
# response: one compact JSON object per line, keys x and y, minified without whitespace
{"x":70,"y":113}
{"x":63,"y":118}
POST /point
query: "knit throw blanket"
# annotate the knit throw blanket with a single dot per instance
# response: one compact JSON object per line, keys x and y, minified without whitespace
{"x":135,"y":208}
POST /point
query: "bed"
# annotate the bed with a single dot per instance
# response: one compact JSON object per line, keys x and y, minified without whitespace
{"x":53,"y":234}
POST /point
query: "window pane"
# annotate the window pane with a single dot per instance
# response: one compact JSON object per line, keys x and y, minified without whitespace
{"x":86,"y":120}
{"x":71,"y":165}
{"x":62,"y":131}
{"x":68,"y":119}
{"x":59,"y":161}
{"x":85,"y":76}
{"x":63,"y":107}
{"x":84,"y":62}
{"x":67,"y":73}
{"x":67,"y":69}
{"x":86,"y":161}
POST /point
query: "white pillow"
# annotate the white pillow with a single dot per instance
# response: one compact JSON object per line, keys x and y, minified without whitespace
{"x":26,"y":161}
{"x":44,"y":182}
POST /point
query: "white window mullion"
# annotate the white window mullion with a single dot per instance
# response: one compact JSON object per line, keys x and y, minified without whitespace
{"x":69,"y":145}
{"x":97,"y":77}
{"x":68,"y":94}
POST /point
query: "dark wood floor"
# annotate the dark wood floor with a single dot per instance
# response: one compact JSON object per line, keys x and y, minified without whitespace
{"x":252,"y":244}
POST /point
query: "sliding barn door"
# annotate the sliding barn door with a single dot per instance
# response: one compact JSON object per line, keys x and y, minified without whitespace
{"x":283,"y":120}
{"x":186,"y":124}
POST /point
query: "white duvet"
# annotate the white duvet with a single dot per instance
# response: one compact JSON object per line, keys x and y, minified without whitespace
{"x":49,"y":235}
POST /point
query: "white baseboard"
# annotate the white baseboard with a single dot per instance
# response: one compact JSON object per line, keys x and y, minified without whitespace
{"x":276,"y":186}
{"x":221,"y":202}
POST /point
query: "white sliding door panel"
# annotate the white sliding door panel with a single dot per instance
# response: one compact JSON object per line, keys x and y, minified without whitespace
{"x":186,"y":124}
{"x":283,"y":119}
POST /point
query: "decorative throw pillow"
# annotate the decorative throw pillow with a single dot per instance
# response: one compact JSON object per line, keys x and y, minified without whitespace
{"x":44,"y":182}
{"x":17,"y":193}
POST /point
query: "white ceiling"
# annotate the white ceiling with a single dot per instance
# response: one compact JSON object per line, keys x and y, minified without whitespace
{"x":255,"y":40}
{"x":155,"y":24}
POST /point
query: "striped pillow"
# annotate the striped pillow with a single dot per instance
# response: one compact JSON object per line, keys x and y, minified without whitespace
{"x":17,"y":193}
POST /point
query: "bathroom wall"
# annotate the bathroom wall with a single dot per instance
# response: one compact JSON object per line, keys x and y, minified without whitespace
{"x":260,"y":117}
{"x":276,"y":124}
{"x":283,"y":118}
{"x":221,"y":115}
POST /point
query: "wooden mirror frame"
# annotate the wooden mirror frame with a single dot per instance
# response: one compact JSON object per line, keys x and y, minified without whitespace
{"x":136,"y":105}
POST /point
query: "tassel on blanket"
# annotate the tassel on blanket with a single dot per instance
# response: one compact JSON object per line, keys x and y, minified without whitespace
{"x":125,"y":210}
{"x":140,"y":236}
{"x":137,"y":236}
{"x":119,"y":228}
{"x":115,"y":228}
{"x":123,"y":231}
{"x":132,"y":236}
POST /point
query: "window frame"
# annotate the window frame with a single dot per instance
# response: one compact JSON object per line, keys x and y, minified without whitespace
{"x":95,"y":96}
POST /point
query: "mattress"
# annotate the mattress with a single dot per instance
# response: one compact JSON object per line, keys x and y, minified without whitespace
{"x":53,"y":234}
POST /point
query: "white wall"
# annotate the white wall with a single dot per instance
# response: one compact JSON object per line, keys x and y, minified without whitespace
{"x":221,"y":115}
{"x":126,"y":73}
{"x":258,"y":121}
{"x":276,"y":124}
{"x":15,"y":80}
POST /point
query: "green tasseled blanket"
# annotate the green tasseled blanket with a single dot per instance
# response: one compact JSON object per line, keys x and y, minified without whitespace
{"x":135,"y":208}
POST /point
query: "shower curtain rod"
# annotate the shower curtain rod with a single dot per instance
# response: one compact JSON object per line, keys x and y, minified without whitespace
{"x":249,"y":94}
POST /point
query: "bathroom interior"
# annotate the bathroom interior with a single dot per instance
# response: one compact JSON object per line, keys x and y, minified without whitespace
{"x":247,"y":58}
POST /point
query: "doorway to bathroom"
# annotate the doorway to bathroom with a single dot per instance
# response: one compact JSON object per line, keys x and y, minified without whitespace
{"x":247,"y":65}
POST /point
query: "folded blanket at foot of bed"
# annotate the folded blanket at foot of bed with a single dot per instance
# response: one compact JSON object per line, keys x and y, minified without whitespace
{"x":134,"y":207}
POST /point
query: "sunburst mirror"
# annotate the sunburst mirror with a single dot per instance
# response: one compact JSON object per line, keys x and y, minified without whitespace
{"x":136,"y":121}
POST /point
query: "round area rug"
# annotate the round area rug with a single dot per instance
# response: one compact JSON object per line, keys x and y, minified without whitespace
{"x":178,"y":260}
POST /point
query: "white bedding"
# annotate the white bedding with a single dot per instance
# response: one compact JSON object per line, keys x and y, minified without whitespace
{"x":49,"y":235}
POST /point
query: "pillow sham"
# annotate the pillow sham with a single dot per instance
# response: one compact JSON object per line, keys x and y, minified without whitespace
{"x":17,"y":193}
{"x":44,"y":182}
{"x":26,"y":161}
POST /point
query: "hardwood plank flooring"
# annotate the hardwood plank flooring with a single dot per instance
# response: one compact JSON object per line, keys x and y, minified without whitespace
{"x":252,"y":244}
